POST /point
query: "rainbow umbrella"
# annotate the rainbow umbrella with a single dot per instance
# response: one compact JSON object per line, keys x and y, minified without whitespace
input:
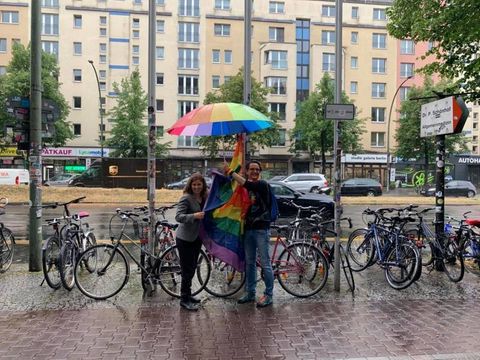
{"x":220,"y":119}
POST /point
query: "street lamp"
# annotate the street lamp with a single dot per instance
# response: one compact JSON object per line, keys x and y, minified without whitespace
{"x":101,"y":117}
{"x":389,"y":165}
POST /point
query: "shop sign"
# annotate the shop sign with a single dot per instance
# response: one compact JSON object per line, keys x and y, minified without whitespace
{"x":74,"y":152}
{"x":469,"y":160}
{"x":366,"y":158}
{"x":8,"y":152}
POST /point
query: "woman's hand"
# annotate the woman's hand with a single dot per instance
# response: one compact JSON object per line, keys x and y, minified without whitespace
{"x":199,"y":215}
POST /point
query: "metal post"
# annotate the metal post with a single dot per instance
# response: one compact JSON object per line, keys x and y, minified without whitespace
{"x":151,"y":166}
{"x":389,"y":163}
{"x":439,"y":197}
{"x":247,"y":63}
{"x":337,"y":147}
{"x":101,"y":120}
{"x":35,"y":159}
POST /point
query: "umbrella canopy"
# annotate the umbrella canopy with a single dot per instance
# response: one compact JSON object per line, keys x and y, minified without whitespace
{"x":220,"y":119}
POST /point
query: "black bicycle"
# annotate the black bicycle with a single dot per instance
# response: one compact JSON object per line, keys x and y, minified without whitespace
{"x":7,"y":241}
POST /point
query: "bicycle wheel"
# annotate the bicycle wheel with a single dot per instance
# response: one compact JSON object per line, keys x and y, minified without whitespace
{"x":401,"y":265}
{"x":360,"y":249}
{"x":110,"y":272}
{"x":90,"y":241}
{"x":169,"y":274}
{"x":424,"y":245}
{"x":7,"y":247}
{"x":471,"y":259}
{"x":302,"y":270}
{"x":224,"y":279}
{"x":453,"y":262}
{"x":50,"y":262}
{"x":347,"y":269}
{"x":67,"y":260}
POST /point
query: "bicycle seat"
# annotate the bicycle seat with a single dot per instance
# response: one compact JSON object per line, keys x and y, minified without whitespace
{"x":80,"y":215}
{"x":169,"y":225}
{"x":473,"y":222}
{"x":280,"y":227}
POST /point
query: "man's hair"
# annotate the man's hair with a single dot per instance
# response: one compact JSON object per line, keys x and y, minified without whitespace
{"x":254,"y":162}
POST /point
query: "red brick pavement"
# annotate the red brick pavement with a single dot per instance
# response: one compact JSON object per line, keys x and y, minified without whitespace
{"x":289,"y":331}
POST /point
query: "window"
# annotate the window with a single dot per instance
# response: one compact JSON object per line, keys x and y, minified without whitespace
{"x":77,"y":102}
{"x":379,"y":14}
{"x":404,"y":93}
{"x":3,"y":45}
{"x":328,"y":62}
{"x":102,"y":74}
{"x":135,"y":60}
{"x":50,"y":47}
{"x":103,"y":85}
{"x":228,"y":56}
{"x":136,"y":23}
{"x":187,"y":85}
{"x":188,"y":32}
{"x":136,"y":34}
{"x":354,"y":37}
{"x":160,"y":26}
{"x":216,"y":56}
{"x":49,"y":24}
{"x":328,"y":10}
{"x":103,"y":32}
{"x":3,"y":70}
{"x":160,"y":2}
{"x":377,"y":139}
{"x":378,"y":114}
{"x":136,"y":49}
{"x":430,"y":45}
{"x":278,"y":59}
{"x":276,"y":34}
{"x":188,"y":58}
{"x":10,"y":17}
{"x":379,"y":41}
{"x":189,"y":8}
{"x":222,"y":4}
{"x":103,"y":20}
{"x":77,"y":129}
{"x":406,"y":70}
{"x":221,"y":29}
{"x":159,"y":52}
{"x":183,"y":108}
{"x":215,"y":81}
{"x":354,"y":62}
{"x":159,"y":104}
{"x":281,"y":137}
{"x":226,"y":79}
{"x":77,"y":48}
{"x":407,"y":47}
{"x":159,"y":131}
{"x":276,"y":7}
{"x":355,"y":12}
{"x":77,"y":75}
{"x":16,"y":41}
{"x":280,"y":109}
{"x":328,"y":37}
{"x":103,"y":47}
{"x":102,"y":59}
{"x":50,"y":3}
{"x":378,"y":90}
{"x":378,"y":65}
{"x":77,"y":21}
{"x":137,"y":1}
{"x":277,"y":85}
{"x":353,"y":87}
{"x":159,"y":79}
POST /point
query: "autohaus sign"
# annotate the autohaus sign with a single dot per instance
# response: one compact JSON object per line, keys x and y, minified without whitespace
{"x":469,"y":160}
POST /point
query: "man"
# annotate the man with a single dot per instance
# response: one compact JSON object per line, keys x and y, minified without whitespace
{"x":256,"y":233}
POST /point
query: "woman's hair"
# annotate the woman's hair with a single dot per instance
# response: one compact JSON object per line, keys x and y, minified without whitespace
{"x":195,"y":177}
{"x":253,"y":162}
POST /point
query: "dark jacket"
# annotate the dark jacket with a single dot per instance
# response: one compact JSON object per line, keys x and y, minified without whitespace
{"x":258,"y":215}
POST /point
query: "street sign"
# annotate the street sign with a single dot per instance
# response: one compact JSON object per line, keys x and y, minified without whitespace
{"x":442,"y":117}
{"x":339,"y":111}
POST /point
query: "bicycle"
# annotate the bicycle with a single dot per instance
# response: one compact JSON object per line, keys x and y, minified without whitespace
{"x":110,"y":270}
{"x":7,"y":241}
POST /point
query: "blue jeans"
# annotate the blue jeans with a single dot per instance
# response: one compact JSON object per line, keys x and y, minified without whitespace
{"x":253,"y":240}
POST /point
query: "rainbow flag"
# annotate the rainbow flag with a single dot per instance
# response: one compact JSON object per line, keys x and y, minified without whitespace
{"x":225,"y":211}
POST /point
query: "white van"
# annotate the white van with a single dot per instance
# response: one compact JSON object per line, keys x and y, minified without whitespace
{"x":14,"y":176}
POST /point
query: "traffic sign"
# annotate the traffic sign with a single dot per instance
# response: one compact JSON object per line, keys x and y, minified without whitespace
{"x":442,"y":117}
{"x":339,"y":111}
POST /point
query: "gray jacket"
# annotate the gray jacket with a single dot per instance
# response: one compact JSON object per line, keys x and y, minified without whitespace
{"x":188,"y":227}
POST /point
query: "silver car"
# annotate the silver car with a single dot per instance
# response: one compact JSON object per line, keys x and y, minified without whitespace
{"x":306,"y":182}
{"x":61,"y":179}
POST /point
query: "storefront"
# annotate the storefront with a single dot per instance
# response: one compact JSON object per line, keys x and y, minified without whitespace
{"x":467,"y":167}
{"x":11,"y":158}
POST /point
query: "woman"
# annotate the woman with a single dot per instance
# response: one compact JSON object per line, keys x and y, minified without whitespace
{"x":189,"y":215}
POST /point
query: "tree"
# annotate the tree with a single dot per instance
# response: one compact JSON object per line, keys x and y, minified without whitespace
{"x":452,"y":26}
{"x":16,"y":82}
{"x":410,"y":144}
{"x":314,"y":133}
{"x":129,"y":137}
{"x":232,"y":91}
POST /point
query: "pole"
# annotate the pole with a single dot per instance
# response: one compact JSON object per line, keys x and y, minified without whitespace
{"x":337,"y":151}
{"x":247,"y":64}
{"x":151,"y":166}
{"x":389,"y":163}
{"x":101,"y":120}
{"x":35,"y":159}
{"x":439,"y":197}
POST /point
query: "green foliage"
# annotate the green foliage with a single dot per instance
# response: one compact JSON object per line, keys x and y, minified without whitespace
{"x":452,"y":26}
{"x":410,"y":144}
{"x":16,"y":82}
{"x":129,"y":137}
{"x":313,"y":133}
{"x":232,"y":91}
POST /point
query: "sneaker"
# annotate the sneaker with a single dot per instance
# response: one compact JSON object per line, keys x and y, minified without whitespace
{"x":265,"y":300}
{"x":188,"y":305}
{"x":247,"y":298}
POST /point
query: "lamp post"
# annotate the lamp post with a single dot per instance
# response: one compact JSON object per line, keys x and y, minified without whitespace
{"x":101,"y":117}
{"x":389,"y":164}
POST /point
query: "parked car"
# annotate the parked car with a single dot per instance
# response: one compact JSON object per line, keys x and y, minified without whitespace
{"x":284,"y":193}
{"x":61,"y":179}
{"x":277,"y":178}
{"x":179,"y":185}
{"x":454,"y":188}
{"x":306,"y":182}
{"x":361,"y":186}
